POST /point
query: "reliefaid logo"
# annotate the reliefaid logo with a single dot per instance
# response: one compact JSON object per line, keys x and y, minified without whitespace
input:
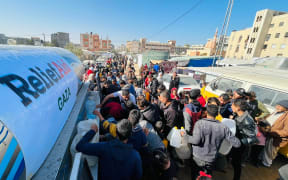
{"x":36,"y":84}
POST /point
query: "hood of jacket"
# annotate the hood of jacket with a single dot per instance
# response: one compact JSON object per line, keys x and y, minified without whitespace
{"x":149,"y":113}
{"x":195,"y":106}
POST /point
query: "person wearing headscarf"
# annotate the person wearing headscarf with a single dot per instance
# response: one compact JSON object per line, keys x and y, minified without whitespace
{"x":173,"y":94}
{"x":276,"y":129}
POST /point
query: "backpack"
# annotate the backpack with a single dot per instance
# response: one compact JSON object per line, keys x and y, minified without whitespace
{"x":195,"y":116}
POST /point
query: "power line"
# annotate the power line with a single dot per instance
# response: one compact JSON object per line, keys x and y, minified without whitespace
{"x":178,"y":18}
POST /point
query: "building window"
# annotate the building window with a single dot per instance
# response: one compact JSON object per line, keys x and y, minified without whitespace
{"x":259,"y":18}
{"x":271,"y":26}
{"x":237,"y":49}
{"x":286,"y":35}
{"x":277,"y":35}
{"x":255,"y":29}
{"x":283,"y":46}
{"x":252,"y":40}
{"x":279,"y":54}
{"x":268,"y":37}
{"x":240,"y":38}
{"x":281,"y":24}
{"x":265,"y":46}
{"x":249,"y":51}
{"x":273,"y":46}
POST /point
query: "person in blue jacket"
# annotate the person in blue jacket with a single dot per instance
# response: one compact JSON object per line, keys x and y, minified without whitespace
{"x":117,"y":159}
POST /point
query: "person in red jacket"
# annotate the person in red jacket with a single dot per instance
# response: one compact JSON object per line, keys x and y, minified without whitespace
{"x":173,"y":94}
{"x":90,"y":70}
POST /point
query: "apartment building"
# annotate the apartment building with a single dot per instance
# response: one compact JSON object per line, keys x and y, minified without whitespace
{"x":93,"y":42}
{"x":133,"y":46}
{"x":142,"y":46}
{"x":60,"y":39}
{"x":267,"y":37}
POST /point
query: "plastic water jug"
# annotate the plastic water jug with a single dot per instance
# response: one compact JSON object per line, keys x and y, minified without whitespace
{"x":176,"y":139}
{"x":170,"y":133}
{"x":90,"y":106}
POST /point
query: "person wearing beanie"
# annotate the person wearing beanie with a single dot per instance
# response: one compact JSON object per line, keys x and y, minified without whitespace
{"x":276,"y":129}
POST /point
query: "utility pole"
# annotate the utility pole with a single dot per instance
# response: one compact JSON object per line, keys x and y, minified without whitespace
{"x":223,"y":33}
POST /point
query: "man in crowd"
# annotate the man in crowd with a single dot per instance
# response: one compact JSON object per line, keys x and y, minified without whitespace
{"x":257,"y":108}
{"x":239,"y":93}
{"x":208,"y":135}
{"x":175,"y":80}
{"x":225,"y":109}
{"x":152,"y":86}
{"x":156,"y":67}
{"x":149,"y":111}
{"x":192,"y":111}
{"x":117,"y":159}
{"x":245,"y":131}
{"x":124,"y":95}
{"x":170,"y":112}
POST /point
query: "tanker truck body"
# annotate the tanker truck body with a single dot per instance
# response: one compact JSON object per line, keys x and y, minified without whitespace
{"x":38,"y":89}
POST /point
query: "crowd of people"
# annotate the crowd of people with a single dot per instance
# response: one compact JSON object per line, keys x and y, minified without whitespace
{"x":137,"y":115}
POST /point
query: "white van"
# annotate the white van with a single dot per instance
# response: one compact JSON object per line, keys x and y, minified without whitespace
{"x":270,"y":85}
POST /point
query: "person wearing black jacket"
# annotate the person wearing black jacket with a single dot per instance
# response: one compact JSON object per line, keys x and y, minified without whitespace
{"x":225,"y":109}
{"x":175,"y":80}
{"x":149,"y":111}
{"x":153,"y":85}
{"x":245,"y":132}
{"x":170,"y":111}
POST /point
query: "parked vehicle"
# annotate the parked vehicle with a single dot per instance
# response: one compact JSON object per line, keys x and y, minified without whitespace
{"x":186,"y":82}
{"x":270,"y":85}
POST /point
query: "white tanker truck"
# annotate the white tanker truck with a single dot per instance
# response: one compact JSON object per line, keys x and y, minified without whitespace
{"x":39,"y":90}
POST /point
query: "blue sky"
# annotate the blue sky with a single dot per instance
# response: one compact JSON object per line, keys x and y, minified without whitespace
{"x":123,"y":20}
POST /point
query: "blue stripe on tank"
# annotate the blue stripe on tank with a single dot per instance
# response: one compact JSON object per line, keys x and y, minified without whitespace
{"x":3,"y":139}
{"x":20,"y":170}
{"x":16,"y":166}
{"x":7,"y":156}
{"x":2,"y":129}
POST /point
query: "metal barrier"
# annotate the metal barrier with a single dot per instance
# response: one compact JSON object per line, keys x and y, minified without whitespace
{"x":80,"y":169}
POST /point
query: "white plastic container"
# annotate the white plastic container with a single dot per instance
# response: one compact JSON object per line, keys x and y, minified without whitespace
{"x":170,"y":133}
{"x":184,"y":151}
{"x":82,"y":128}
{"x":176,"y":139}
{"x":226,"y":147}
